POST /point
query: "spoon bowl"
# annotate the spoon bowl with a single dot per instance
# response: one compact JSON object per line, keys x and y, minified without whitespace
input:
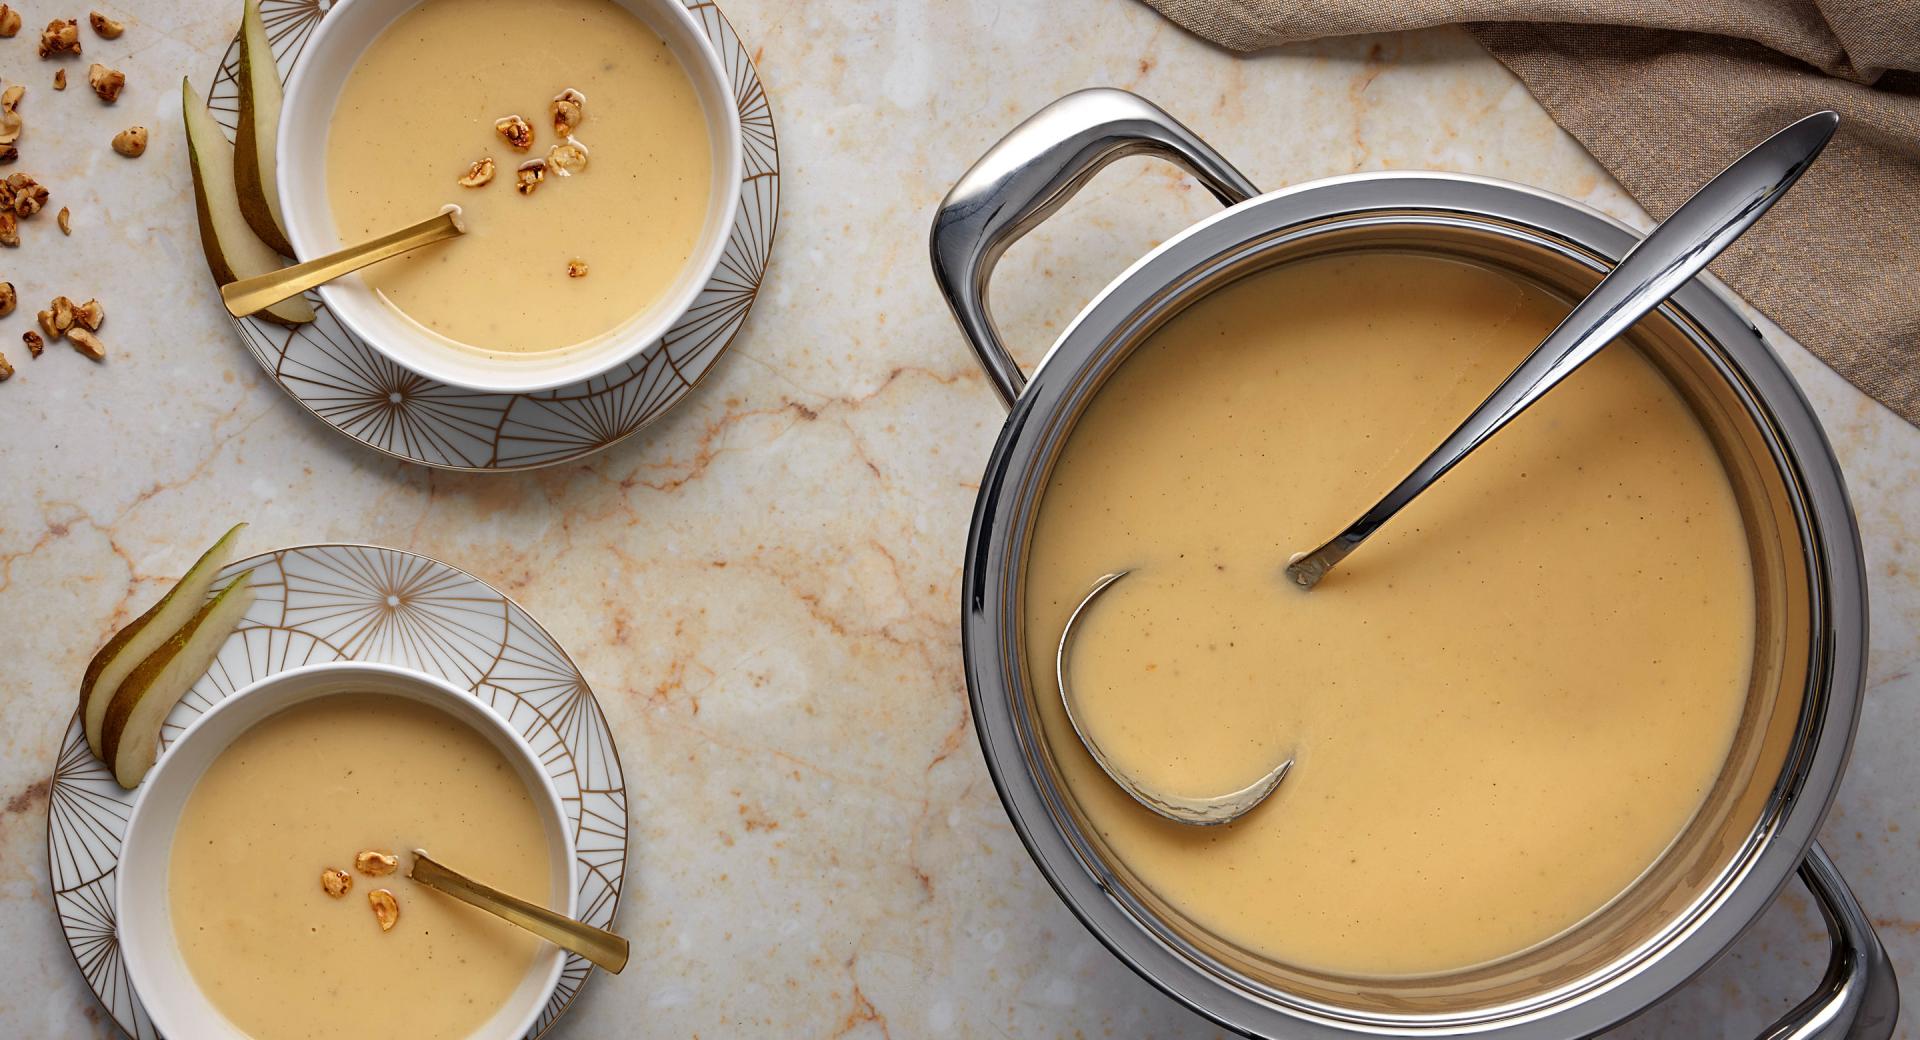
{"x":1204,"y":811}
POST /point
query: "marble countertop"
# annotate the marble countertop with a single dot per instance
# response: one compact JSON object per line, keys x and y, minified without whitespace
{"x":762,"y":587}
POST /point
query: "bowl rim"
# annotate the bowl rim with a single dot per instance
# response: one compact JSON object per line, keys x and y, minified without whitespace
{"x":436,"y":357}
{"x":548,"y":964}
{"x":1826,"y":528}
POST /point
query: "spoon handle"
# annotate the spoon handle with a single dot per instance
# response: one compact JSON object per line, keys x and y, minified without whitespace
{"x":1655,"y":269}
{"x":251,"y":295}
{"x":595,"y":944}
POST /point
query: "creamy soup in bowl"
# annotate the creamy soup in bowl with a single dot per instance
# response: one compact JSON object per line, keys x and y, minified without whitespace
{"x":262,"y":886}
{"x":592,"y":145}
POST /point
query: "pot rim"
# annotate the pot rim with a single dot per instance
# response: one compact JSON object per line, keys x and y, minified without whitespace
{"x":1824,"y":522}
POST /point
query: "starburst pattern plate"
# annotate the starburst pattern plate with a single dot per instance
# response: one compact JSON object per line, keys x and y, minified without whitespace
{"x":321,"y":603}
{"x":361,"y":393}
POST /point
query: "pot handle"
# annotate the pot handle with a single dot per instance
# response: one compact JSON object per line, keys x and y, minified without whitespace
{"x":1859,"y":999}
{"x":1028,"y":176}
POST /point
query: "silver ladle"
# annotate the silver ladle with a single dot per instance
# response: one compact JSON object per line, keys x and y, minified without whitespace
{"x":1671,"y":254}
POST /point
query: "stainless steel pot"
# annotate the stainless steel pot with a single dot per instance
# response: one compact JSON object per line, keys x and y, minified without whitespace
{"x":1758,"y":824}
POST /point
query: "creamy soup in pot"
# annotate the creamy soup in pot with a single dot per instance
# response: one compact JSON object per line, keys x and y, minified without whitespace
{"x":419,"y":109}
{"x":1503,"y":707}
{"x":306,"y":791}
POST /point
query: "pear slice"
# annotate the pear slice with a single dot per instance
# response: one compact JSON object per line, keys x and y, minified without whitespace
{"x":233,"y":251}
{"x":254,"y":164}
{"x":143,"y":636}
{"x":130,"y":734}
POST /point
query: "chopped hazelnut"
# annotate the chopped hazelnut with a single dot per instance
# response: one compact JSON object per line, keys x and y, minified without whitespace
{"x":567,"y":158}
{"x":90,"y":314}
{"x":9,"y":21}
{"x":9,"y":228}
{"x":33,"y":341}
{"x":106,"y":27}
{"x":9,"y":154}
{"x":8,"y":299}
{"x":10,"y":122}
{"x":6,"y":369}
{"x":24,"y":195}
{"x":61,"y":36}
{"x":515,"y":131}
{"x":335,"y":882}
{"x":87,"y":343}
{"x":569,"y":111}
{"x":58,"y":316}
{"x":576,"y":269}
{"x":386,"y":909}
{"x":61,"y":218}
{"x":479,"y":174}
{"x":528,"y":177}
{"x":106,"y":82}
{"x":131,"y":142}
{"x":375,"y":864}
{"x":60,"y":79}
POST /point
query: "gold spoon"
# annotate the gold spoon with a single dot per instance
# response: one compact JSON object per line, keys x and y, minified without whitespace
{"x":250,"y":295}
{"x":595,"y":944}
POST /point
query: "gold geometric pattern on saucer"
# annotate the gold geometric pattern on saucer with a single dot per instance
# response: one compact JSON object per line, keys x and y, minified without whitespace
{"x":319,"y":603}
{"x":361,"y":393}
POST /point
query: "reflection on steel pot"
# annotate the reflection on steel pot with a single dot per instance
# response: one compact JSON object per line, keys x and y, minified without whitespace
{"x":1757,"y":825}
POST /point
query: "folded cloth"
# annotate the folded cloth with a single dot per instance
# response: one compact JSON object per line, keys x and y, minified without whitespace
{"x":1666,"y":94}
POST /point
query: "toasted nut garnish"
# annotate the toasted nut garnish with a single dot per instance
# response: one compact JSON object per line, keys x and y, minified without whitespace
{"x":336,"y":882}
{"x":569,"y":111}
{"x":568,"y":158}
{"x":9,"y":228}
{"x":106,"y":27}
{"x":515,"y":131}
{"x":131,"y":142}
{"x":6,"y":369}
{"x":61,"y":313}
{"x":8,"y":154}
{"x":23,"y":195}
{"x":528,"y":177}
{"x":106,"y":82}
{"x":87,"y":343}
{"x":9,"y":21}
{"x":90,"y":314}
{"x":61,"y":36}
{"x":481,"y":172}
{"x":60,"y":218}
{"x":59,"y":79}
{"x":33,"y":341}
{"x":375,"y":864}
{"x":10,"y":122}
{"x":576,"y":269}
{"x":8,"y":299}
{"x":45,"y":318}
{"x":386,"y":909}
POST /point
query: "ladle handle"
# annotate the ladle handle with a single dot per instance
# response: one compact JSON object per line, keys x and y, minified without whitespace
{"x":1028,"y":176}
{"x":1655,"y":269}
{"x":1859,"y":999}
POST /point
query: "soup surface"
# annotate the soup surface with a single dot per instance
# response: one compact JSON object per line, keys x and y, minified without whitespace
{"x":419,"y":109}
{"x":308,"y":788}
{"x":1503,"y":707}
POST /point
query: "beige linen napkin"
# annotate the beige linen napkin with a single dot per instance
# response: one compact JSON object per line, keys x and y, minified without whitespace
{"x":1667,"y":93}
